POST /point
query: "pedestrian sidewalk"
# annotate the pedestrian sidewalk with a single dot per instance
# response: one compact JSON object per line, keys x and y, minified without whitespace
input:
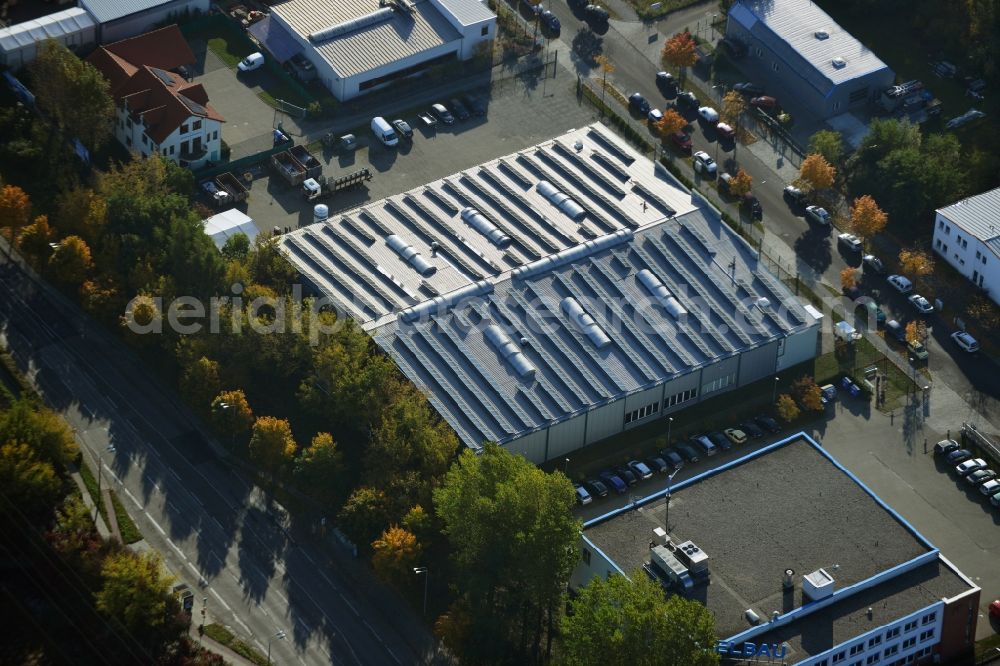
{"x":217,"y":648}
{"x":102,"y":528}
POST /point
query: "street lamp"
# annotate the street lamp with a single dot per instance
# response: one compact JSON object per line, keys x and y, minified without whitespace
{"x":427,"y":577}
{"x":566,"y":466}
{"x":774,"y":391}
{"x":666,"y":521}
{"x":670,"y":423}
{"x":280,"y":636}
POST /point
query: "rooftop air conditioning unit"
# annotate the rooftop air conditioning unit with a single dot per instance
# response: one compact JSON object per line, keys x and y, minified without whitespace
{"x":839,"y":63}
{"x":817,"y":585}
{"x":821,"y":35}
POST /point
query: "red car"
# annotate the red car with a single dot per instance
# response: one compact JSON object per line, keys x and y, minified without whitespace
{"x":764,"y":102}
{"x":681,"y":141}
{"x":995,"y":610}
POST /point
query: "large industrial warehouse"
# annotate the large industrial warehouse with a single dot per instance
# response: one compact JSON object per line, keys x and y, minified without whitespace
{"x":557,"y":296}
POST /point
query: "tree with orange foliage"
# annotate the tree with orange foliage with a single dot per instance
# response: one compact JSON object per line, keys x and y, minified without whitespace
{"x":34,"y":240}
{"x":15,"y":210}
{"x":816,"y":173}
{"x":670,"y":123}
{"x":679,"y":52}
{"x":915,"y":262}
{"x":70,"y":261}
{"x":741,"y":183}
{"x":394,"y":555}
{"x":916,"y":331}
{"x":849,"y":279}
{"x":867,"y":219}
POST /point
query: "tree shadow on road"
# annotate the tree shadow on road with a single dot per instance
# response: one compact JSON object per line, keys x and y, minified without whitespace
{"x":812,"y":248}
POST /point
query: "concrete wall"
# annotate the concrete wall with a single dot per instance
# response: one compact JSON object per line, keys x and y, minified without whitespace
{"x":983,"y":271}
{"x":958,"y":627}
{"x":530,"y":446}
{"x":605,"y":421}
{"x":567,"y":436}
{"x":758,"y":363}
{"x":798,"y":348}
{"x":140,"y":22}
{"x":593,"y":564}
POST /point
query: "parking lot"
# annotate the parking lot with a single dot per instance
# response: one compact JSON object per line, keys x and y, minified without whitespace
{"x":518,"y":115}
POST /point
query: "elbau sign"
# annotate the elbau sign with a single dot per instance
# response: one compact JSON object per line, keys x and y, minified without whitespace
{"x":771,"y":651}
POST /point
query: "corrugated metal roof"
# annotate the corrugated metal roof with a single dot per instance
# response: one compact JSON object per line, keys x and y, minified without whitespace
{"x":374,"y":45}
{"x":60,"y":24}
{"x":556,"y":357}
{"x":467,"y":12}
{"x":978,"y":216}
{"x":789,"y":28}
{"x":106,"y":11}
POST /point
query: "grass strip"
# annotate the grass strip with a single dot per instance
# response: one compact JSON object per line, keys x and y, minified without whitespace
{"x":220,"y":634}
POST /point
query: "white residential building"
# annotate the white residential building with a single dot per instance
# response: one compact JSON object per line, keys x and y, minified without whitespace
{"x":967,"y":236}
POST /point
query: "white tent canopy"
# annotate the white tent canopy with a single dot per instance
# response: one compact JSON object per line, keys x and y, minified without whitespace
{"x":73,"y":28}
{"x":229,"y":223}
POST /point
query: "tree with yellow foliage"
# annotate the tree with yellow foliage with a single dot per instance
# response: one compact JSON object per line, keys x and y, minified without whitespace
{"x":815,"y":174}
{"x":916,"y":331}
{"x":395,"y":553}
{"x":867,"y":219}
{"x":272,"y":444}
{"x":741,"y":183}
{"x":34,"y":241}
{"x":734,"y":105}
{"x":787,"y":409}
{"x":915,"y":262}
{"x":70,"y":261}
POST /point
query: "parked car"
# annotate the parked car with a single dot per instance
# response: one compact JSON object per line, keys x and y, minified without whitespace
{"x":724,"y":131}
{"x":442,"y":114}
{"x":596,"y":488}
{"x":550,"y":21}
{"x":922,"y":305}
{"x":736,"y":436}
{"x":764,"y":102}
{"x":704,"y":164}
{"x":967,"y":467}
{"x":654,"y":116}
{"x":980,"y":477}
{"x":705,"y":445}
{"x":689,"y":452}
{"x":403,"y":128}
{"x":995,"y":500}
{"x":751,"y":429}
{"x":900,"y":283}
{"x":955,"y":457}
{"x":657,"y":464}
{"x":876,"y":312}
{"x":596,"y":14}
{"x":965,"y":341}
{"x":681,"y":142}
{"x":995,"y":610}
{"x":665,"y":82}
{"x":795,"y":196}
{"x":896,"y":330}
{"x":673,"y":458}
{"x":991,"y":487}
{"x":474,"y":105}
{"x":870,"y":262}
{"x":917,"y":350}
{"x":638,"y":104}
{"x":768,"y":424}
{"x":612,"y":481}
{"x":626,"y":475}
{"x":751,"y":204}
{"x":818,"y":215}
{"x":749,"y":88}
{"x":687,"y":99}
{"x":720,"y":440}
{"x":582,"y":495}
{"x":640,"y":469}
{"x":850,"y":242}
{"x":708,"y":114}
{"x":945,"y":446}
{"x":251,"y":62}
{"x":458,"y":109}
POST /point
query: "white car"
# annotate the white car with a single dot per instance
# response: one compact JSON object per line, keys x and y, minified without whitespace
{"x":654,"y":115}
{"x":703,"y":163}
{"x":708,"y":114}
{"x":921,"y":304}
{"x":991,"y":487}
{"x":251,"y":62}
{"x":970,"y":466}
{"x":850,"y":242}
{"x":965,"y":341}
{"x":818,"y":215}
{"x":902,"y":285}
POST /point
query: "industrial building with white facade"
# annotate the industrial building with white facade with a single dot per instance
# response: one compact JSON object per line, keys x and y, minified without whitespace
{"x":967,"y":236}
{"x":361,"y":45}
{"x":804,"y":55}
{"x":558,"y":296}
{"x":797,"y":560}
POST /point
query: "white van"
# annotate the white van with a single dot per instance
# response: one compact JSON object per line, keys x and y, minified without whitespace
{"x":251,"y":62}
{"x":384,"y":131}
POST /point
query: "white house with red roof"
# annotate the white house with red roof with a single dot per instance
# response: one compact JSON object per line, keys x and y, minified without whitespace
{"x":157,"y":109}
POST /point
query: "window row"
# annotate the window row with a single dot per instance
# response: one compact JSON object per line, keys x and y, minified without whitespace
{"x":642,"y":412}
{"x":719,"y":384}
{"x":683,"y":396}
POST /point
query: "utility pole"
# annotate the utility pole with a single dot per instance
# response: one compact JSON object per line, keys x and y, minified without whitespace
{"x":422,"y":571}
{"x":666,"y":517}
{"x":280,"y":636}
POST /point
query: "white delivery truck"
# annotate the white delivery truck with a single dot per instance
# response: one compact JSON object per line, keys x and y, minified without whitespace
{"x":383,"y":130}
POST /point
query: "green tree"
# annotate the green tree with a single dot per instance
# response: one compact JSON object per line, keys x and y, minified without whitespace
{"x":394,"y":554}
{"x":200,"y":384}
{"x":513,"y":538}
{"x":364,"y":515}
{"x":319,"y":470}
{"x":268,"y":266}
{"x":42,"y":430}
{"x":28,"y":481}
{"x":80,"y":212}
{"x":829,"y":144}
{"x":73,"y":93}
{"x":135,"y":594}
{"x":70,"y":261}
{"x":236,"y":248}
{"x":622,"y":621}
{"x":271,"y":444}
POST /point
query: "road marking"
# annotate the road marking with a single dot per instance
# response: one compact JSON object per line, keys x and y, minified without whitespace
{"x":155,"y":524}
{"x":311,"y":560}
{"x":111,"y":402}
{"x":132,"y":497}
{"x":174,"y":473}
{"x":221,"y":600}
{"x":179,"y":551}
{"x":218,"y":523}
{"x":329,"y":582}
{"x":195,"y":570}
{"x":349,"y":604}
{"x":278,"y":592}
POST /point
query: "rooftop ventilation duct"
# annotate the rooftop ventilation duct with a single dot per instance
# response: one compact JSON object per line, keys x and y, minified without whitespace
{"x":568,"y":255}
{"x":561,"y":200}
{"x":583,"y":321}
{"x":817,"y":585}
{"x":821,"y":35}
{"x":839,"y":63}
{"x":441,"y":303}
{"x":355,"y":24}
{"x":509,"y":351}
{"x":411,"y":256}
{"x":659,"y":291}
{"x":478,"y":221}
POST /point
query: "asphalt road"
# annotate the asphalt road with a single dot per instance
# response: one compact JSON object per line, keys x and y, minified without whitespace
{"x":256,"y":570}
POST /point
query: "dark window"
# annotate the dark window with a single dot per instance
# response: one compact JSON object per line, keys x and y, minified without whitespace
{"x":586,"y":556}
{"x":196,"y":125}
{"x":486,"y":30}
{"x":859,"y":95}
{"x":184,"y":128}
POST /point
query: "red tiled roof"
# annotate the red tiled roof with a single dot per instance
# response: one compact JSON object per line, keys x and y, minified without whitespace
{"x":136,"y":69}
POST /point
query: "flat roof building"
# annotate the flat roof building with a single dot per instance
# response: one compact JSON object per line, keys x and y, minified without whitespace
{"x":120,"y":20}
{"x":804,"y":55}
{"x":557,"y":296}
{"x":967,"y":236}
{"x":361,"y":45}
{"x":793,"y":552}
